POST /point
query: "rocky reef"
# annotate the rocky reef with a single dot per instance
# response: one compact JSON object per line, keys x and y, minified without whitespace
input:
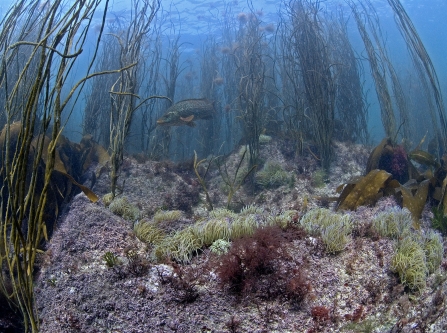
{"x":280,"y":260}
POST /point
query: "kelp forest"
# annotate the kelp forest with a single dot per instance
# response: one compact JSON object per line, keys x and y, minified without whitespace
{"x":299,"y":78}
{"x":82,"y":85}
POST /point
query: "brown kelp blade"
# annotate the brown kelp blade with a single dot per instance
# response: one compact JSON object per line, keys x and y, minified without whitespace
{"x":59,"y":166}
{"x":94,"y":153}
{"x":366,"y":191}
{"x":415,"y":202}
{"x":440,"y":195}
{"x":376,"y":154}
{"x":88,"y":192}
{"x":424,"y":158}
{"x":58,"y":163}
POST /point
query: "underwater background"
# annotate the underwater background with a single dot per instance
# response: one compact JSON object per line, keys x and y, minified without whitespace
{"x":198,"y":20}
{"x":223,"y":166}
{"x":198,"y":33}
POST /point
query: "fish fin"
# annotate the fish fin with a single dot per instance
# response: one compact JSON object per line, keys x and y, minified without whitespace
{"x":187,"y":119}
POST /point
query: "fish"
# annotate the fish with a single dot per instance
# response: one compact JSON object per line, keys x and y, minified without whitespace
{"x":186,"y":112}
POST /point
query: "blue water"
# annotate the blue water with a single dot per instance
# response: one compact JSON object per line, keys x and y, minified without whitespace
{"x":195,"y":20}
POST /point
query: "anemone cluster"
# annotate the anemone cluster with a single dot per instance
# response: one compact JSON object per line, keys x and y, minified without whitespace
{"x":392,"y":222}
{"x":416,"y":256}
{"x":215,"y":231}
{"x":417,"y":253}
{"x":122,"y":207}
{"x":272,"y":175}
{"x":333,"y":228}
